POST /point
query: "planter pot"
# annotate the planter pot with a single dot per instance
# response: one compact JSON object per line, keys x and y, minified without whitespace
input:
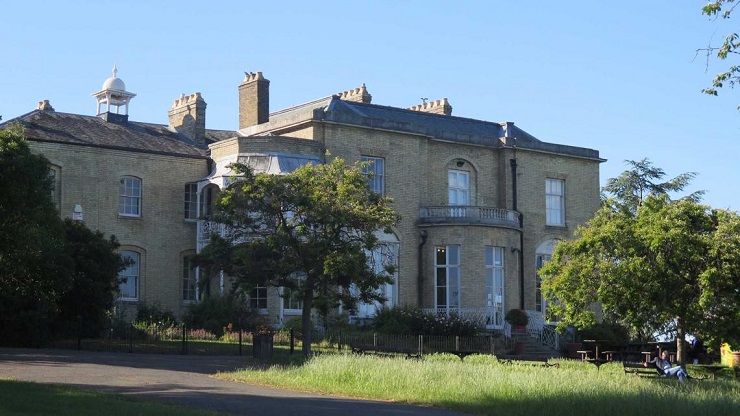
{"x":735,"y":359}
{"x":520,"y":327}
{"x":262,"y":346}
{"x":519,"y":348}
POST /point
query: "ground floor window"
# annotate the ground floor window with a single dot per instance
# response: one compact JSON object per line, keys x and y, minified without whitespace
{"x":495,"y":286}
{"x":258,"y":298}
{"x":128,"y":279}
{"x":447,"y":277}
{"x":189,"y":280}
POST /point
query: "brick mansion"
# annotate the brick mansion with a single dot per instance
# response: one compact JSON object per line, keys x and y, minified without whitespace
{"x":482,"y":203}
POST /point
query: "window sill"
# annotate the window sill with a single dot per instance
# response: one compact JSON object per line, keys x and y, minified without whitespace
{"x":128,"y":300}
{"x":129,"y":217}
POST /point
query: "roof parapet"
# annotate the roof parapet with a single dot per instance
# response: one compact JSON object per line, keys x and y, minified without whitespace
{"x":359,"y":95}
{"x":434,"y":107}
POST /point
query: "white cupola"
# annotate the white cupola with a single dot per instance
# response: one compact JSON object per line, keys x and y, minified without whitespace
{"x":113,"y":94}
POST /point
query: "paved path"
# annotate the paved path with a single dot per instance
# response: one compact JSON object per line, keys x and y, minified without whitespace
{"x":184,"y":380}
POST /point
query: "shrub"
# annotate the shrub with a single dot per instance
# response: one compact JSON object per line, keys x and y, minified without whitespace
{"x":517,"y":317}
{"x":154,"y":313}
{"x":215,"y":313}
{"x":409,"y":320}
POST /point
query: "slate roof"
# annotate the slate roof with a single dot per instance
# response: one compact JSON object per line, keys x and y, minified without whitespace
{"x":93,"y":131}
{"x":436,"y":126}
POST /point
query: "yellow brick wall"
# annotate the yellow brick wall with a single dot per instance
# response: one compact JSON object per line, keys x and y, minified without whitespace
{"x":90,"y":177}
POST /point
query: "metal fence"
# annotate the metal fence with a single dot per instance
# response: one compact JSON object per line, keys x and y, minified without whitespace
{"x":179,"y":339}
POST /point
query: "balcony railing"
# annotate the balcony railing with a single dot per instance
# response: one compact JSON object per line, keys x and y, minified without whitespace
{"x":462,"y":214}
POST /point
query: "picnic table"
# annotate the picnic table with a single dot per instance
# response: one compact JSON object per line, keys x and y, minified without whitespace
{"x":714,"y":369}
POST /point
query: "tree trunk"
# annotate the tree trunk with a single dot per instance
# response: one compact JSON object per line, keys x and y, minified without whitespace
{"x":680,"y":341}
{"x":306,"y":323}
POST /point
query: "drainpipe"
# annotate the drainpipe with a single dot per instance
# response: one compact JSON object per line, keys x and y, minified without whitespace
{"x":420,"y":275}
{"x":521,"y":232}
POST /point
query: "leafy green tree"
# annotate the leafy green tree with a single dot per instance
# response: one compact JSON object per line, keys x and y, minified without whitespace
{"x":95,"y":278}
{"x":308,"y":231}
{"x":660,"y":265}
{"x":632,"y":186}
{"x":729,"y":47}
{"x":35,"y":263}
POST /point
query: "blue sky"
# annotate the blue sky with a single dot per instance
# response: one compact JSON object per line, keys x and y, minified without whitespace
{"x":619,"y":77}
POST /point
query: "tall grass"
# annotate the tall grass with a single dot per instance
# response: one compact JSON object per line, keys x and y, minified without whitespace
{"x":481,"y":385}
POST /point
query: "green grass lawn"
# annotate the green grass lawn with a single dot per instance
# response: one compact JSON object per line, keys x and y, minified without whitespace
{"x":21,"y":398}
{"x":482,"y":386}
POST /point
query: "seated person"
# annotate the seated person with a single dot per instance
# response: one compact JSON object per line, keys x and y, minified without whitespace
{"x":666,"y":369}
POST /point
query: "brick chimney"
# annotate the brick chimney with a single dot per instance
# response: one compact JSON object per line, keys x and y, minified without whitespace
{"x":188,"y":116}
{"x":434,"y":107}
{"x":45,"y":106}
{"x":254,"y":100}
{"x":359,"y":95}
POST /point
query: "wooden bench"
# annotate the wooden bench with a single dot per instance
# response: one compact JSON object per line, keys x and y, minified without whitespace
{"x":526,"y":360}
{"x":650,"y":371}
{"x":462,"y":354}
{"x":384,"y":350}
{"x":640,"y":369}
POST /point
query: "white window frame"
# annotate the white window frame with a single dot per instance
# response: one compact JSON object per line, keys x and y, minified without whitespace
{"x":55,"y":175}
{"x":458,"y":191}
{"x":132,"y":274}
{"x":129,"y":196}
{"x":447,"y":294}
{"x":189,"y":280}
{"x":258,"y":299}
{"x":555,"y":202}
{"x":191,"y":202}
{"x":292,"y":304}
{"x":375,"y":171}
{"x":495,"y":286}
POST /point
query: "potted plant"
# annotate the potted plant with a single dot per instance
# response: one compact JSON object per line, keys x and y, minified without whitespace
{"x":517,"y":318}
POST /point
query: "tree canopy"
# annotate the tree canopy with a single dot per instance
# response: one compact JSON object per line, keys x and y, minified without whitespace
{"x":632,"y":186}
{"x":35,"y":264}
{"x":310,"y":231}
{"x":95,"y":278}
{"x":728,"y":49}
{"x":666,"y":262}
{"x":52,"y":271}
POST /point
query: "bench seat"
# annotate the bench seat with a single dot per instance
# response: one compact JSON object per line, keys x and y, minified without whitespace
{"x":384,"y":350}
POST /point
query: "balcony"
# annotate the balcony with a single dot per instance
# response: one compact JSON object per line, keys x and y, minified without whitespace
{"x":468,"y":215}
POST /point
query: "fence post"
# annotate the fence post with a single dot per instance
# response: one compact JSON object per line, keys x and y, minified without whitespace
{"x":131,"y":338}
{"x":375,"y":339}
{"x":339,"y":342}
{"x":240,"y":340}
{"x":457,"y":343}
{"x":184,"y":339}
{"x":292,"y":341}
{"x":421,"y":345}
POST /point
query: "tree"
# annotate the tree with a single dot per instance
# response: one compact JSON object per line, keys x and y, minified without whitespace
{"x":729,"y":47}
{"x":36,"y":267}
{"x":95,"y":279}
{"x":309,"y":231}
{"x":669,"y":262}
{"x":632,"y":186}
